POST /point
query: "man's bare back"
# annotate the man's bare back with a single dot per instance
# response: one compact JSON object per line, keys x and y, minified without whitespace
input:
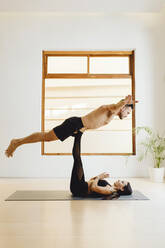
{"x":97,"y":118}
{"x":103,"y":114}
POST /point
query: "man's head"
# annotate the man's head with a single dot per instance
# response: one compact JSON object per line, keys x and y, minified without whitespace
{"x":125,"y":111}
{"x":123,"y":187}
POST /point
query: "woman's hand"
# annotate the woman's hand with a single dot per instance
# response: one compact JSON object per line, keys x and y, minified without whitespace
{"x":103,"y":175}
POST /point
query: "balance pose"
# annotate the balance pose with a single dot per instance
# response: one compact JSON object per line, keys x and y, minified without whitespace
{"x":95,"y":119}
{"x":96,"y":186}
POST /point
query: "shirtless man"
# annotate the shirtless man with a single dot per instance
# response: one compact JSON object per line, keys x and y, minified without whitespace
{"x":95,"y":119}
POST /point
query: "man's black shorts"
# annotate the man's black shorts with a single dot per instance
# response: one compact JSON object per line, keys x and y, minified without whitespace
{"x":68,"y":127}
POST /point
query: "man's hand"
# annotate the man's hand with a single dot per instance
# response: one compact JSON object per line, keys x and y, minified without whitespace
{"x":128,"y":100}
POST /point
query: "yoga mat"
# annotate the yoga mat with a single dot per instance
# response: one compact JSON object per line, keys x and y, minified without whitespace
{"x":61,"y":195}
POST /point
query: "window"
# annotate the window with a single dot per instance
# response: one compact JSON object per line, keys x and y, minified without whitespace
{"x":77,"y":82}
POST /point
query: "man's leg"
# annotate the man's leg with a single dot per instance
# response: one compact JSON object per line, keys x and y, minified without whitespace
{"x":33,"y":138}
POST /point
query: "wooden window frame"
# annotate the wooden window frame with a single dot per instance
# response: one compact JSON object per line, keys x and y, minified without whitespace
{"x":88,"y":54}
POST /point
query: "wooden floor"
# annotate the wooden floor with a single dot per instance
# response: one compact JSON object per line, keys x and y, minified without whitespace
{"x":81,"y":224}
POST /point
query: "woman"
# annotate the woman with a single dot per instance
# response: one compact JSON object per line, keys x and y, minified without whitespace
{"x":96,"y":186}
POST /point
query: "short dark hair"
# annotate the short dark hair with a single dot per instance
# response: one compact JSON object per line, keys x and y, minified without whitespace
{"x":129,"y":105}
{"x":127,"y":190}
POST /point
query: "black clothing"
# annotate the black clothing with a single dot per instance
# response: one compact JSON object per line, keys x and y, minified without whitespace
{"x":78,"y":186}
{"x":68,"y":127}
{"x":102,"y":183}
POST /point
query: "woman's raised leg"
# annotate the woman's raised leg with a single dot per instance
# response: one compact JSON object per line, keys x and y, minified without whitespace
{"x":77,"y":184}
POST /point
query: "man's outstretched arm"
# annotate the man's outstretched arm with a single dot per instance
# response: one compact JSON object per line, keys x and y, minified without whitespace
{"x":116,"y":108}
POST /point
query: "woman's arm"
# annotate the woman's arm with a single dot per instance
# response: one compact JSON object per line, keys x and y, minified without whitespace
{"x":107,"y":190}
{"x":101,"y":176}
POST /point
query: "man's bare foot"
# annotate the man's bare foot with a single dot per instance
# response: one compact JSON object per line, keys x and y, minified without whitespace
{"x":11,"y":148}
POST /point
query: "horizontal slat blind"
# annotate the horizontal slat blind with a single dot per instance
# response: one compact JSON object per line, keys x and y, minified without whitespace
{"x":95,"y":142}
{"x":115,"y":125}
{"x":56,"y":113}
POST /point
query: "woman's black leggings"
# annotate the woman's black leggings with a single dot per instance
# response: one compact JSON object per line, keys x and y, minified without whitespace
{"x":78,"y":186}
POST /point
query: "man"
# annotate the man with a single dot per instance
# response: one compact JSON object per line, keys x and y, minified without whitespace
{"x":95,"y":119}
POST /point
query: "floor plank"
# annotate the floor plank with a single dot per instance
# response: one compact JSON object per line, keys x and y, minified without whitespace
{"x":81,"y":224}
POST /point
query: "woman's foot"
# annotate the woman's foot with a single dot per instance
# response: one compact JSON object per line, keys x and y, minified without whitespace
{"x":11,"y":148}
{"x":77,"y":133}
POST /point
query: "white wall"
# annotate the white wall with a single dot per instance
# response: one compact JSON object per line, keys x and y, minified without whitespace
{"x":22,"y":39}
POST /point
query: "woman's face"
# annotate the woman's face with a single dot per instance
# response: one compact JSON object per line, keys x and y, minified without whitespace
{"x":120,"y":184}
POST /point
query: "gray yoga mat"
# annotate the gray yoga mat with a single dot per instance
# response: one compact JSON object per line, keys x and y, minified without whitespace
{"x":61,"y":195}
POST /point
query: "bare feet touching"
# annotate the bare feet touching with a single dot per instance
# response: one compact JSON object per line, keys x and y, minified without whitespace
{"x":11,"y":148}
